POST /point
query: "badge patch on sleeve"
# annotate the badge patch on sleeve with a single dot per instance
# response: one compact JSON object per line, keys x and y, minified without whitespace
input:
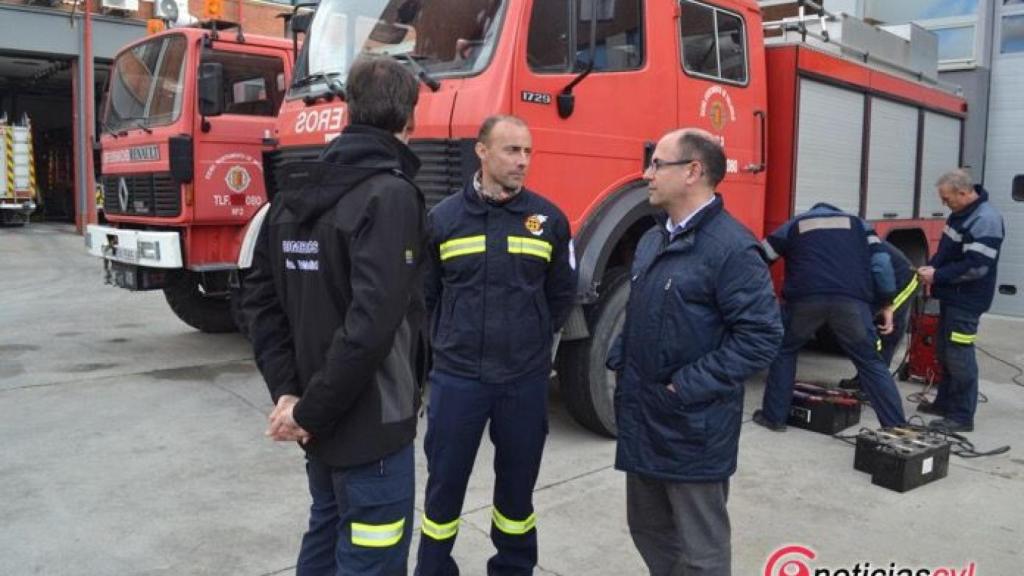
{"x":535,"y":224}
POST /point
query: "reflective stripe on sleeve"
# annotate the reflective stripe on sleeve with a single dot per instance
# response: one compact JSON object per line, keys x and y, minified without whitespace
{"x":902,"y":297}
{"x":953,"y":234}
{"x":982,"y":249}
{"x":769,"y":251}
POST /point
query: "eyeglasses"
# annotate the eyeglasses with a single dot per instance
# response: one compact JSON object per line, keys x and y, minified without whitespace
{"x":658,"y":163}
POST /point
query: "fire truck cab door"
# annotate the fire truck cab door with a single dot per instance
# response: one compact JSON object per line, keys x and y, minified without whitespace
{"x":623,"y":104}
{"x":720,"y":71}
{"x":228,"y":181}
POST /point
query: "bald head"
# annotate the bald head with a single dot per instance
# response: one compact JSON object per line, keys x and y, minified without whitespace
{"x":703,"y":146}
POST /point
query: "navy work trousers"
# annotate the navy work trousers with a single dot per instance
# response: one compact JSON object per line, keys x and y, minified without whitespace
{"x":957,"y":397}
{"x":360,"y":522}
{"x":853,"y":324}
{"x":458,"y":411}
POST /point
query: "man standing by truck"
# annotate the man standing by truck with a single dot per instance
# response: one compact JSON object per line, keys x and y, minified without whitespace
{"x":500,"y":285}
{"x":335,"y":302}
{"x":962,"y":275}
{"x":701,"y":319}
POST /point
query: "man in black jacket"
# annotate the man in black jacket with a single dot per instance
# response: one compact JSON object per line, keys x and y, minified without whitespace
{"x":335,"y":303}
{"x":500,"y":285}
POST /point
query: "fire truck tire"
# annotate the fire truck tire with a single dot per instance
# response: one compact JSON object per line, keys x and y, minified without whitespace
{"x":206,"y":314}
{"x":587,"y":386}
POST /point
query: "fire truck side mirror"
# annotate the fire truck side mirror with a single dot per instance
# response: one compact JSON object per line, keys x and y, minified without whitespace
{"x":1018,"y":188}
{"x":211,"y":89}
{"x":299,"y":23}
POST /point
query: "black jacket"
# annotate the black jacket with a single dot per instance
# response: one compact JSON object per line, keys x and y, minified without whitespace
{"x":334,"y":296}
{"x":500,"y":284}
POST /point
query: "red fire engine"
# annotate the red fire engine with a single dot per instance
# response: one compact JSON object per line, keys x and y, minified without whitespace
{"x":803,"y":120}
{"x":186,"y":115}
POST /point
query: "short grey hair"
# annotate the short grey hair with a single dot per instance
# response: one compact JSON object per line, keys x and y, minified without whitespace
{"x":959,"y":179}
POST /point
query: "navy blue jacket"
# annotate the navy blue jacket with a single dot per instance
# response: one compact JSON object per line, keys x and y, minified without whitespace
{"x":499,"y":285}
{"x":831,"y":253}
{"x":965,"y":263}
{"x":701,"y":315}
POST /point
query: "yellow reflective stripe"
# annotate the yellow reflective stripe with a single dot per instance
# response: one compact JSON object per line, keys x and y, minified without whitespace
{"x":905,"y":294}
{"x":961,"y":338}
{"x":532,"y":246}
{"x":439,"y":531}
{"x":514,"y":527}
{"x":463,"y":246}
{"x":377,"y":535}
{"x":878,"y":344}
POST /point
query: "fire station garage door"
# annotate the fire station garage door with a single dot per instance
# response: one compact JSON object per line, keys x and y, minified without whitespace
{"x":830,"y":133}
{"x":1004,"y":160}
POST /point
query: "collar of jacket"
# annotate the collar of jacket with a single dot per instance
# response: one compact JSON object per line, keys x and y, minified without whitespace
{"x":982,"y":198}
{"x":408,"y":162}
{"x":685,"y":236}
{"x":477,"y":205}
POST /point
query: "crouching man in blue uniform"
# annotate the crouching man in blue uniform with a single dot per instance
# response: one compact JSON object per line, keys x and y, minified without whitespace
{"x":962,"y":275}
{"x":701,"y":319}
{"x":500,"y":284}
{"x":907,"y":288}
{"x":835,"y":263}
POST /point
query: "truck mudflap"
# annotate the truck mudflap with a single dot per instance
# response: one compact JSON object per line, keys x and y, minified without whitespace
{"x":142,"y":248}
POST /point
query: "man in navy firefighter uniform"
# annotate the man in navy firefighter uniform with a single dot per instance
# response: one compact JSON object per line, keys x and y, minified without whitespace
{"x":500,"y":285}
{"x":962,"y":275}
{"x":834,"y":266}
{"x":907,"y":286}
{"x":701,"y":318}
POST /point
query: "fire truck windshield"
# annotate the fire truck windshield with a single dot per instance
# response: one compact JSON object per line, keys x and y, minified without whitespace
{"x":147,"y":85}
{"x":447,"y":37}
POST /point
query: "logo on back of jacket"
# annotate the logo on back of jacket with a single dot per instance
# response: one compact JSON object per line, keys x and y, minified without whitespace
{"x":535,"y":224}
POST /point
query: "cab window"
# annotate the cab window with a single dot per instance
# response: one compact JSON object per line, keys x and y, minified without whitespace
{"x":713,"y":42}
{"x":254,"y":84}
{"x":560,"y":32}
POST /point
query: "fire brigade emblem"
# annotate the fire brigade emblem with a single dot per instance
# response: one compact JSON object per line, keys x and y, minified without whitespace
{"x":238,"y":179}
{"x":717,"y":108}
{"x":716,"y":116}
{"x":535,"y":224}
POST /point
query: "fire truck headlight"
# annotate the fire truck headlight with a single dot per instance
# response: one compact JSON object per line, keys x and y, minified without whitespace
{"x":149,"y":250}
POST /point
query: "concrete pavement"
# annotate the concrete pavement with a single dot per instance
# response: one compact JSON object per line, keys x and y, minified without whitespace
{"x":134,"y":445}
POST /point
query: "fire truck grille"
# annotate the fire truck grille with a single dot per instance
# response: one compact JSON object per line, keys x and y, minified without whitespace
{"x":142,"y":195}
{"x":274,"y":161}
{"x":445,"y":165}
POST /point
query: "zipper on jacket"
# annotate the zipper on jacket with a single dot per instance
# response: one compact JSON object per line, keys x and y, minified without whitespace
{"x":483,"y":297}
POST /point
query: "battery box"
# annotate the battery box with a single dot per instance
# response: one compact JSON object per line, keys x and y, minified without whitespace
{"x":900,"y":459}
{"x":822,"y":409}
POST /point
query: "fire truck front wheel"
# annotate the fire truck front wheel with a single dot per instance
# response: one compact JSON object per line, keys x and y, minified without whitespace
{"x":587,"y":386}
{"x":211,"y":314}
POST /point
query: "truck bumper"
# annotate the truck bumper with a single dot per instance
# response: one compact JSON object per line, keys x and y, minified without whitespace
{"x":134,"y":247}
{"x":25,"y":207}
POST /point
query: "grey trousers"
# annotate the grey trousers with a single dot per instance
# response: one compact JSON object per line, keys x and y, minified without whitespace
{"x":680,"y":529}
